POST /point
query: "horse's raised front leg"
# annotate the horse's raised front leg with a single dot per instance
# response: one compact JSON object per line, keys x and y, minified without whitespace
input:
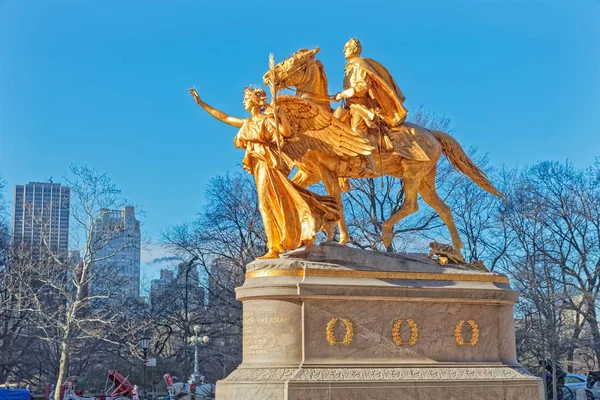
{"x":332,"y":185}
{"x":410,"y":206}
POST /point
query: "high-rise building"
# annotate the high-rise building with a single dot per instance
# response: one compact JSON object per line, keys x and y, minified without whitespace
{"x":41,"y":218}
{"x":116,"y":240}
{"x":224,"y":277}
{"x":171,"y":289}
{"x":160,"y":287}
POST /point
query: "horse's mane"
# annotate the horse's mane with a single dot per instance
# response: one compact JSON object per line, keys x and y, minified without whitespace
{"x":323,"y":75}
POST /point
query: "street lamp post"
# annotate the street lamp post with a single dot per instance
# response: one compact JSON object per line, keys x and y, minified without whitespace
{"x":190,"y":263}
{"x":145,"y":345}
{"x":197,"y":341}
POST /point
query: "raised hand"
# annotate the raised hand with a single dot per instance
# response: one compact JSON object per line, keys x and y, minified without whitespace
{"x":195,"y":95}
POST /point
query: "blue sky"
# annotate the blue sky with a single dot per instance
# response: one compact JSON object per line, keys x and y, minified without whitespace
{"x":104,"y":83}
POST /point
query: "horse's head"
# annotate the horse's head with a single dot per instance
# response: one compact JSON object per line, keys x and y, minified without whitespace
{"x":289,"y":72}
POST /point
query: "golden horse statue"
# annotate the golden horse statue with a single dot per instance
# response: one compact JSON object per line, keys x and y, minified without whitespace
{"x":306,"y":75}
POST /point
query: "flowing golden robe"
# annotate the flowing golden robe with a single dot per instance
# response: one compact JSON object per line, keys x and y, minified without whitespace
{"x":378,"y":97}
{"x":291,"y":215}
{"x":375,"y":89}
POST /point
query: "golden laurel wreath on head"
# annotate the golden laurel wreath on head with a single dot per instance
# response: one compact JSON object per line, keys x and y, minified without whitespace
{"x":331,"y":335}
{"x":474,"y":334}
{"x":414,"y":332}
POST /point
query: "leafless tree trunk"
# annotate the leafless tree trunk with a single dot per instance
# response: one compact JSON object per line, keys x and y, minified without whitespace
{"x":553,"y":218}
{"x":61,"y":309}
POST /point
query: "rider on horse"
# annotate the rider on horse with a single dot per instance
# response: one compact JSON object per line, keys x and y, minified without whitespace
{"x":373,"y":99}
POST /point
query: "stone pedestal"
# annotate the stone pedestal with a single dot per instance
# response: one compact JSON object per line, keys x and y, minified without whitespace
{"x":330,"y":322}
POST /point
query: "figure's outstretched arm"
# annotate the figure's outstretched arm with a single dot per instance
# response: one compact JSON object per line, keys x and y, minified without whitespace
{"x":220,"y":115}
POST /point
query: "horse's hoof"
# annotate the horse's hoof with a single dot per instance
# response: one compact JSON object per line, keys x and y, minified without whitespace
{"x":329,"y":228}
{"x":308,"y":242}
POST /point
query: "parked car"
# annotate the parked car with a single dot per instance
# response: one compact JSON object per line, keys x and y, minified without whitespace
{"x":575,"y":378}
{"x":576,"y":382}
{"x":14,"y":394}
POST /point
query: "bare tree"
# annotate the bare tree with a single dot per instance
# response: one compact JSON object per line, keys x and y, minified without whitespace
{"x":63,"y":311}
{"x":227,"y":235}
{"x":212,"y":307}
{"x":555,"y":218}
{"x":230,"y":225}
{"x":480,"y":217}
{"x":4,"y":229}
{"x":545,"y":236}
{"x":12,"y":319}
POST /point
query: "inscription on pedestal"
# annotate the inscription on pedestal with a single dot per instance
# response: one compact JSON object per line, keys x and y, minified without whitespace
{"x":258,"y":338}
{"x":271,"y":332}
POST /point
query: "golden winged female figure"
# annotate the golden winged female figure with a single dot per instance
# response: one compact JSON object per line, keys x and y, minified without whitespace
{"x":291,"y":215}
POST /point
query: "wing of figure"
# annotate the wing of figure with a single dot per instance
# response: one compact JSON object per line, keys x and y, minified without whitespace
{"x":317,"y":129}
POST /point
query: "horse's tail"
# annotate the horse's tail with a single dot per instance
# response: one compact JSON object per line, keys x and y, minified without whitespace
{"x":461,"y":161}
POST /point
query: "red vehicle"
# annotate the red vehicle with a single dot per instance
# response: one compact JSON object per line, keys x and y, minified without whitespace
{"x":120,"y":389}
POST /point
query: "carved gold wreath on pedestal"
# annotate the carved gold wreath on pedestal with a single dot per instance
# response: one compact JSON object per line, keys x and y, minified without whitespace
{"x":414,"y":332}
{"x":474,"y":335}
{"x":331,"y":335}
